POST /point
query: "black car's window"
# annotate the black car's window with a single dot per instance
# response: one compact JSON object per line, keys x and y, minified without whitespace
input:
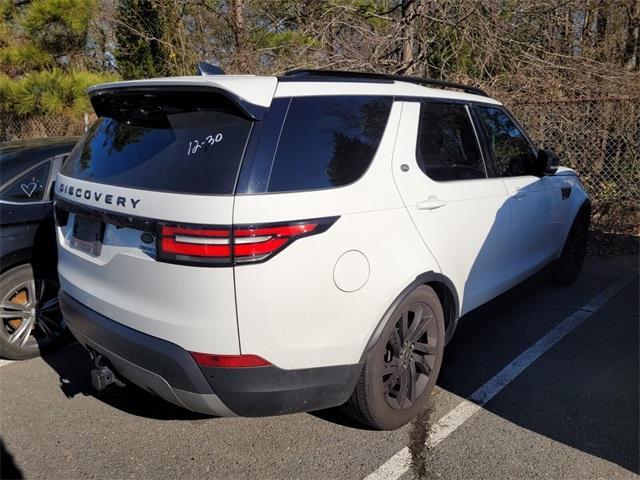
{"x":30,"y":187}
{"x":328,"y":141}
{"x":447,"y":145}
{"x":184,"y":143}
{"x":511,"y":150}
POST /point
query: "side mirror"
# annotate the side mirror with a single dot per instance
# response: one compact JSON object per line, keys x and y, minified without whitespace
{"x":547,"y":162}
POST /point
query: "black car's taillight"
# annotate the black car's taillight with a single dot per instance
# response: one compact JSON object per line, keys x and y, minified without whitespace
{"x":225,"y":246}
{"x":60,"y":216}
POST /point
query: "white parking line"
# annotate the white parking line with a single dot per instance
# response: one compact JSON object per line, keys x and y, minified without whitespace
{"x":397,"y":465}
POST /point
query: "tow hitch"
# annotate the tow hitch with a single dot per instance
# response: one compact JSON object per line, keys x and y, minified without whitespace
{"x":102,"y":376}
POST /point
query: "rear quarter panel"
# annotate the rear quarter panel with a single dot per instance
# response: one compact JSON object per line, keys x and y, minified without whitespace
{"x":290,"y":310}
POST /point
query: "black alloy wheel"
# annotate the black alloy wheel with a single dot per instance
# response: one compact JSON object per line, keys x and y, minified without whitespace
{"x":409,"y":356}
{"x":401,"y":369}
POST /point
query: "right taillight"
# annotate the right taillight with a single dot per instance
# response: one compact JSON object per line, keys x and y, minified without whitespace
{"x":224,"y":246}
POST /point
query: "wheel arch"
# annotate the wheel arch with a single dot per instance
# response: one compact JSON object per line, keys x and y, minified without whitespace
{"x":446,"y":292}
{"x":583,"y":207}
{"x":39,"y":249}
{"x":450,"y":304}
{"x":14,"y":259}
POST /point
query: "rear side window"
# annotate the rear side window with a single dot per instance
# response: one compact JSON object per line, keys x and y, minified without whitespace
{"x":30,"y":187}
{"x":511,"y":151}
{"x":175,"y":142}
{"x":327,"y":141}
{"x":447,"y":145}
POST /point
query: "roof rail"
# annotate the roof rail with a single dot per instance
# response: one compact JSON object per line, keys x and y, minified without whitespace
{"x":343,"y":74}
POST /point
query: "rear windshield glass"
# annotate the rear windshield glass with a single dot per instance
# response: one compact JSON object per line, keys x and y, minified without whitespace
{"x":175,"y":142}
{"x":328,"y":141}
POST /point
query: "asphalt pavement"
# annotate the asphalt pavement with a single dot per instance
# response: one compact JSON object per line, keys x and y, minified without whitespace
{"x":571,"y":413}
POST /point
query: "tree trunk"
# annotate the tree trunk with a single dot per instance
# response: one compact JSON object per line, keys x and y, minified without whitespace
{"x":633,"y":38}
{"x":408,"y":36}
{"x":240,"y":34}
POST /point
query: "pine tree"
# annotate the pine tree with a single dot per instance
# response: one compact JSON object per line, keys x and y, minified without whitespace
{"x":45,"y":52}
{"x":139,"y":52}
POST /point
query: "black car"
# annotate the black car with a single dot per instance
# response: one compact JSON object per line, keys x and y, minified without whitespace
{"x":29,"y":310}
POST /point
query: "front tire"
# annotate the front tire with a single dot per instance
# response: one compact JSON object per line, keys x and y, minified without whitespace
{"x":30,"y":314}
{"x":566,"y":268}
{"x":401,"y":369}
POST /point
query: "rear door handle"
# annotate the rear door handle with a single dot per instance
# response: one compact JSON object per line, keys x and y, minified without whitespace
{"x":432,"y":203}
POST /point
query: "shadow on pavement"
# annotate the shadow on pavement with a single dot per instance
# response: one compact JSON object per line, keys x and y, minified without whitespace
{"x":583,"y":393}
{"x":8,"y":469}
{"x":604,"y":243}
{"x":337,"y":416}
{"x":72,"y":364}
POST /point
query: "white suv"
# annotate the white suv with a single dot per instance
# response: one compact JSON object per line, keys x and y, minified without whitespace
{"x":255,"y":245}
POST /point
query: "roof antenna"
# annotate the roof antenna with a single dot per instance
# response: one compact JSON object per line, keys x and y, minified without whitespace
{"x":205,"y":68}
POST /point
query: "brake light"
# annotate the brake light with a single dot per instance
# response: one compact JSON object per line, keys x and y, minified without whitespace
{"x":228,"y":361}
{"x":194,"y":245}
{"x":224,"y":246}
{"x":197,"y":242}
{"x":256,"y":243}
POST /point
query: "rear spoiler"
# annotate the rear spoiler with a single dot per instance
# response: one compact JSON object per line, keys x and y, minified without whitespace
{"x":251,"y":94}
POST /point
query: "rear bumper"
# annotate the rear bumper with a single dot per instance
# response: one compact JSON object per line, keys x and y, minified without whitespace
{"x":170,"y":372}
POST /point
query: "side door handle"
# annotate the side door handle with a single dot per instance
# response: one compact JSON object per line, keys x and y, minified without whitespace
{"x":431,"y":203}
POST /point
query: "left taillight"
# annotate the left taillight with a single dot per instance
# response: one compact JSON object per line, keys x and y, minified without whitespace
{"x":225,"y":246}
{"x":194,"y":245}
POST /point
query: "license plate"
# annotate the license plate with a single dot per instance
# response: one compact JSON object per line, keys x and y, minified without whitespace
{"x":87,"y":235}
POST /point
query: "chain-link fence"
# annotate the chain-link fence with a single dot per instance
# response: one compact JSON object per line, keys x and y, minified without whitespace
{"x":14,"y":127}
{"x":600,"y":138}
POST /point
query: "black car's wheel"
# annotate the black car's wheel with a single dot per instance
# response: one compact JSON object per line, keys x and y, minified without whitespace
{"x":566,"y":268}
{"x":30,"y":314}
{"x":401,"y":369}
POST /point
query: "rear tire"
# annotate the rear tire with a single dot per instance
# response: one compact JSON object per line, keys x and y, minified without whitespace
{"x":401,"y":369}
{"x":566,"y":269}
{"x":30,"y":316}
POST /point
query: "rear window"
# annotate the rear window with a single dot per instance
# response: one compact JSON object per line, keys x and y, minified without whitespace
{"x":184,"y":142}
{"x":327,"y":141}
{"x":447,"y":145}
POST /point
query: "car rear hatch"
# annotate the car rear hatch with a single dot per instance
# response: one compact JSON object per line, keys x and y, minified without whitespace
{"x":144,"y":206}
